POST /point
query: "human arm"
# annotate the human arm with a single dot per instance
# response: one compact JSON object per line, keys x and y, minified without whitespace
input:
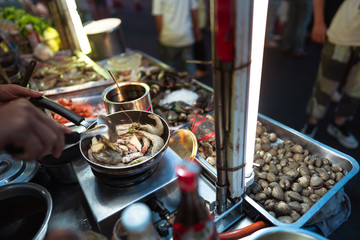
{"x":157,"y":12}
{"x":318,"y":33}
{"x":23,"y":126}
{"x":9,"y":92}
{"x":158,"y":23}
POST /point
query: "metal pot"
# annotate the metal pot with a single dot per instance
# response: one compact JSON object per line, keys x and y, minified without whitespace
{"x":25,"y":211}
{"x":284,"y":233}
{"x":125,"y":117}
{"x":60,"y":169}
{"x":127,"y":96}
{"x":105,"y":37}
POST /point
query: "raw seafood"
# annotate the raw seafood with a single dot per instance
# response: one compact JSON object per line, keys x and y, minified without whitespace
{"x":295,"y":178}
{"x":85,"y":110}
{"x":134,"y":144}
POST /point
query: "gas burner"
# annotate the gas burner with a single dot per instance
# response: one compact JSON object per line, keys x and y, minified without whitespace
{"x":13,"y":171}
{"x":124,"y":181}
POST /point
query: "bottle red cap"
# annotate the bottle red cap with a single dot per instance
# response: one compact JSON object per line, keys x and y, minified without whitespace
{"x":187,"y":173}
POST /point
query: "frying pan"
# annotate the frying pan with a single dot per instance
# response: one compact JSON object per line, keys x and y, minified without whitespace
{"x":125,"y":117}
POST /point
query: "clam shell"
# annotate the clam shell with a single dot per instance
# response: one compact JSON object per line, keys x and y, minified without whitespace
{"x":278,"y":193}
{"x":282,"y":209}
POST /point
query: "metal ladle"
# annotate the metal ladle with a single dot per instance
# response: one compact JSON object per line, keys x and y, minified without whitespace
{"x":104,"y":127}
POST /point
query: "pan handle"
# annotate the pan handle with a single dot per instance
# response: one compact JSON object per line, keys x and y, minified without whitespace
{"x":47,"y":103}
{"x":71,"y":138}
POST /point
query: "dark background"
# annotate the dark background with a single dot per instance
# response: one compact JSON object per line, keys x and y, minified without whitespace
{"x":286,"y":86}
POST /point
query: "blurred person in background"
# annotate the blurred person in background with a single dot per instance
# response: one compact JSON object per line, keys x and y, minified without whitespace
{"x":339,"y":63}
{"x":299,"y":16}
{"x":273,"y":9}
{"x":324,"y":12}
{"x":177,"y":25}
{"x":199,"y":46}
{"x":37,"y":8}
{"x":26,"y":127}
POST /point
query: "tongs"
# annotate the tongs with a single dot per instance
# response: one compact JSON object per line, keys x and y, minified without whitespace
{"x":104,"y":127}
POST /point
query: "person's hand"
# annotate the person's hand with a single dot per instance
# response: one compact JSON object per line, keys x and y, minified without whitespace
{"x":9,"y":92}
{"x":318,"y":33}
{"x":64,"y":234}
{"x":23,"y":126}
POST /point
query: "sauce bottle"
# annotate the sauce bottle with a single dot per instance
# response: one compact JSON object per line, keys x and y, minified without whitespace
{"x":136,"y":224}
{"x":193,"y":219}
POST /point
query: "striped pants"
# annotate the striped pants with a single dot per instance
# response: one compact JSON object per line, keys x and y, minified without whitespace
{"x":338,"y":65}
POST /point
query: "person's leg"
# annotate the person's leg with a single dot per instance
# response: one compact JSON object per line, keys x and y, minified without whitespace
{"x":348,"y":104}
{"x":332,"y":70}
{"x":290,"y":26}
{"x":200,"y":54}
{"x":187,"y":54}
{"x":167,"y":54}
{"x":303,"y":19}
{"x":270,"y":22}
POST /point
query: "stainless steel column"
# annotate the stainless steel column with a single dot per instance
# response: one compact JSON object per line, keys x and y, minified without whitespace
{"x":231,"y":50}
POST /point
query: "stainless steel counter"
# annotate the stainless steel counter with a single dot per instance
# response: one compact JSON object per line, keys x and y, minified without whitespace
{"x":74,"y":207}
{"x":70,"y":209}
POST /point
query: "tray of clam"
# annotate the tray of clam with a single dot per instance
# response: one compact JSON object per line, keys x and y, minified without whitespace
{"x":298,"y":180}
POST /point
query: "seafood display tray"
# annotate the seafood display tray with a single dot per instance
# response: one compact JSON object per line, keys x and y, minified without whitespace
{"x":151,"y":60}
{"x":285,"y":133}
{"x":94,"y":100}
{"x":95,"y":85}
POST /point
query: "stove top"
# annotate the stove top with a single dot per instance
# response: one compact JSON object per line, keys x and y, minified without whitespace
{"x":106,"y":202}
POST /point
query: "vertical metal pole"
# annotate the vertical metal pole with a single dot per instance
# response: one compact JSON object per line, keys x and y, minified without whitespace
{"x":231,"y":49}
{"x":219,"y":88}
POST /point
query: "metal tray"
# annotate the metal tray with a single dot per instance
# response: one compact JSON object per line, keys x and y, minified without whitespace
{"x":153,"y":62}
{"x":94,"y":87}
{"x":94,"y":100}
{"x":285,"y":133}
{"x":84,"y":86}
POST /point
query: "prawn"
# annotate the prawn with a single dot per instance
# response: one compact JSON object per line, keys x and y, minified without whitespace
{"x":146,"y":144}
{"x":132,"y":156}
{"x":123,"y":129}
{"x":156,"y":141}
{"x":108,"y":156}
{"x":158,"y":129}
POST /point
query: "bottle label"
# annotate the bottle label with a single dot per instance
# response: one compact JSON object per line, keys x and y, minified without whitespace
{"x":205,"y":230}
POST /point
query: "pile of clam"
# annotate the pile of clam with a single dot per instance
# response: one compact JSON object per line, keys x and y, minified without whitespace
{"x":288,"y":178}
